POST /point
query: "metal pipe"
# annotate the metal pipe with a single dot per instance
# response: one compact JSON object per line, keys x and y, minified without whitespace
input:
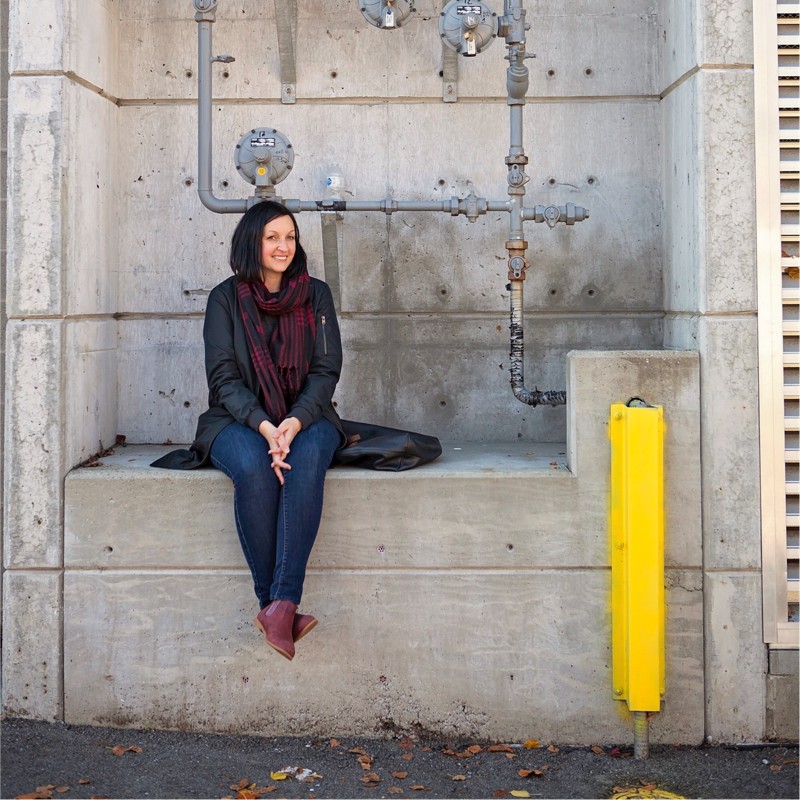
{"x":205,"y":16}
{"x":641,"y":735}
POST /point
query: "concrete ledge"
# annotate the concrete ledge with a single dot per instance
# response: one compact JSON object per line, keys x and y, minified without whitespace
{"x":469,"y":597}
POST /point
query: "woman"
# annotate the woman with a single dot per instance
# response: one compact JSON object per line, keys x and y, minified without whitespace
{"x":273,"y":357}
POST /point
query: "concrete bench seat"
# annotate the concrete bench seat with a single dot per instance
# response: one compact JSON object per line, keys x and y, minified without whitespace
{"x":468,"y":597}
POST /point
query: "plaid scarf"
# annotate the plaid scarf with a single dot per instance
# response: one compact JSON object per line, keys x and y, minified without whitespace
{"x":282,"y":362}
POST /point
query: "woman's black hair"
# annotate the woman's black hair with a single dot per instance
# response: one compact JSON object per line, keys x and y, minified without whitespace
{"x":245,"y":256}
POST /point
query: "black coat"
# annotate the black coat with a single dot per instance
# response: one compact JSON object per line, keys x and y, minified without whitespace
{"x":233,"y":391}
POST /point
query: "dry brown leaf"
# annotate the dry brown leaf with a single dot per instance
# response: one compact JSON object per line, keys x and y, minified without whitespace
{"x":500,"y":793}
{"x":448,"y":752}
{"x":474,"y":749}
{"x":775,"y":767}
{"x":48,"y":788}
{"x":365,"y":761}
{"x":335,"y":743}
{"x":399,"y":774}
{"x":499,"y":748}
{"x":134,"y":748}
{"x":359,"y":751}
{"x":406,"y":743}
{"x":459,"y":777}
{"x":62,"y":789}
{"x":243,"y":784}
{"x":427,"y":749}
{"x":511,"y":755}
{"x":121,"y":749}
{"x":371,"y":778}
{"x":247,"y":794}
{"x":34,"y":796}
{"x":407,"y":756}
{"x":526,"y":773}
{"x":598,"y":750}
{"x":553,"y":749}
{"x":532,"y":744}
{"x":418,"y":787}
{"x":395,"y":790}
{"x":83,"y":781}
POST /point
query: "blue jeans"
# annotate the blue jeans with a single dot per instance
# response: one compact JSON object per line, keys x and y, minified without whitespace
{"x":277,"y":525}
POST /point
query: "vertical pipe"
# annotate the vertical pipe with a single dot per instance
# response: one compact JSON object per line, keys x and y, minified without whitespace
{"x":641,"y":735}
{"x":204,"y":21}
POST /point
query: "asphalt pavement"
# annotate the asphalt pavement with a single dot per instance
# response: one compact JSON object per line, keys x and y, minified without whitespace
{"x":52,"y":760}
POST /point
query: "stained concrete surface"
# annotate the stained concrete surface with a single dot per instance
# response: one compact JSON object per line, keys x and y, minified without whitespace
{"x":173,"y":764}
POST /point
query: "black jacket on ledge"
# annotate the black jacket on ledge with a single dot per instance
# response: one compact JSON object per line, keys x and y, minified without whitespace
{"x":233,"y":386}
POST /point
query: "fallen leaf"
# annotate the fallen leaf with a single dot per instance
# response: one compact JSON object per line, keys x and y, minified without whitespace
{"x":400,"y":775}
{"x":553,"y":749}
{"x":365,"y":761}
{"x":83,"y":781}
{"x":335,"y":743}
{"x":532,"y":744}
{"x":406,"y":744}
{"x":371,"y":779}
{"x":358,"y":751}
{"x":278,"y":776}
{"x":520,"y":793}
{"x":62,"y":789}
{"x":526,"y":773}
{"x":427,"y":749}
{"x":34,"y":796}
{"x":395,"y":790}
{"x":243,"y":784}
{"x":499,"y":748}
{"x":448,"y":752}
{"x":407,"y":756}
{"x":418,"y":787}
{"x":247,"y":794}
{"x":616,"y":752}
{"x":500,"y":793}
{"x":474,"y":749}
{"x":511,"y":755}
{"x":596,"y":749}
{"x":121,"y":749}
{"x":459,"y":777}
{"x":775,"y":767}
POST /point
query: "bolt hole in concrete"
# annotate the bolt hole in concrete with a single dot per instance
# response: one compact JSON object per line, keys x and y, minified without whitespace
{"x":334,"y":73}
{"x":189,"y":73}
{"x":553,"y":292}
{"x":381,"y":548}
{"x":552,"y":181}
{"x":226,"y":74}
{"x":442,"y":403}
{"x":440,"y":181}
{"x":108,"y":549}
{"x":225,"y":184}
{"x":591,"y":292}
{"x":588,"y":72}
{"x":188,"y":182}
{"x":186,"y":404}
{"x":509,"y":547}
{"x":551,"y":73}
{"x":591,"y":180}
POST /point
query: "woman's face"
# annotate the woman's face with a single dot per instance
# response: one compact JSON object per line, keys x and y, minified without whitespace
{"x":277,"y":250}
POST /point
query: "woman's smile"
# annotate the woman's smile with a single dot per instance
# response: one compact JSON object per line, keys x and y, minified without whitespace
{"x":278,"y":246}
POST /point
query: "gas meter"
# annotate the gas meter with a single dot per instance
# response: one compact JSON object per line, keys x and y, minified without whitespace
{"x":467,"y":28}
{"x":387,"y":13}
{"x":264,"y":156}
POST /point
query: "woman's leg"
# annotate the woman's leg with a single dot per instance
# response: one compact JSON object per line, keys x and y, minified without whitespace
{"x":300,"y":507}
{"x":243,"y":455}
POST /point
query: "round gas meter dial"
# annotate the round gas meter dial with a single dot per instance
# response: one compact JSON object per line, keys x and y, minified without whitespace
{"x":264,"y":156}
{"x":387,"y":14}
{"x":467,"y":28}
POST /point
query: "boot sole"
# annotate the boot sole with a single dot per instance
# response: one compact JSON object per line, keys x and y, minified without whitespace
{"x":308,"y":628}
{"x":285,"y":653}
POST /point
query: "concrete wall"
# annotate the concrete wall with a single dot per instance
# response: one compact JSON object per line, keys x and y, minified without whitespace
{"x":710,"y":304}
{"x":639,"y":110}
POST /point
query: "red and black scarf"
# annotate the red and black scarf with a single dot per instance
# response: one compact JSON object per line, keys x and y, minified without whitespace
{"x":282,"y":361}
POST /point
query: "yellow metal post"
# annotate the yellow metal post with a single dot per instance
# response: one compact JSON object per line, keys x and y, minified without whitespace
{"x":637,"y":555}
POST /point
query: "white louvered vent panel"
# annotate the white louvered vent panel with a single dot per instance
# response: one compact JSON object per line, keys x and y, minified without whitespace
{"x":789,"y":144}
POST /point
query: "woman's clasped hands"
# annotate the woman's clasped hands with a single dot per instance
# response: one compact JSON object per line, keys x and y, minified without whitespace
{"x":279,"y":439}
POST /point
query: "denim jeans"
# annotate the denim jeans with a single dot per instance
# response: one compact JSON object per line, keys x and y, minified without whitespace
{"x":277,"y":525}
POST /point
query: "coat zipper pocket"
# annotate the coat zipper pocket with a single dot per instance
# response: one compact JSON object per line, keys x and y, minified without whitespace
{"x":324,"y":334}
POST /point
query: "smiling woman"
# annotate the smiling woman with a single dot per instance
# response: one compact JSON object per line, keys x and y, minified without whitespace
{"x":273,"y":357}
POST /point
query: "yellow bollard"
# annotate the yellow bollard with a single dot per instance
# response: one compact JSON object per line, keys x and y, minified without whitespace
{"x":636,"y":522}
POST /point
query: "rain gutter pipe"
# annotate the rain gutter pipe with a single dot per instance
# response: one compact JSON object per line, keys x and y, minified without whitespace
{"x":512,"y":28}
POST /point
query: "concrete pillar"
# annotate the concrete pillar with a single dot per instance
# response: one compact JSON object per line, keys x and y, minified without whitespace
{"x":60,"y":335}
{"x":710,"y":304}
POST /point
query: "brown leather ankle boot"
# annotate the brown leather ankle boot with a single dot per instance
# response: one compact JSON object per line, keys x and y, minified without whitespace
{"x":275,"y":622}
{"x":303,"y":623}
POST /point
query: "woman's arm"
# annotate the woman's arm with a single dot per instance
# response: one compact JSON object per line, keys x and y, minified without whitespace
{"x":326,"y":363}
{"x":226,"y":384}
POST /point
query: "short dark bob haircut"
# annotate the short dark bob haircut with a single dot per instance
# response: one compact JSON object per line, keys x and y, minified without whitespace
{"x":245,"y":257}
